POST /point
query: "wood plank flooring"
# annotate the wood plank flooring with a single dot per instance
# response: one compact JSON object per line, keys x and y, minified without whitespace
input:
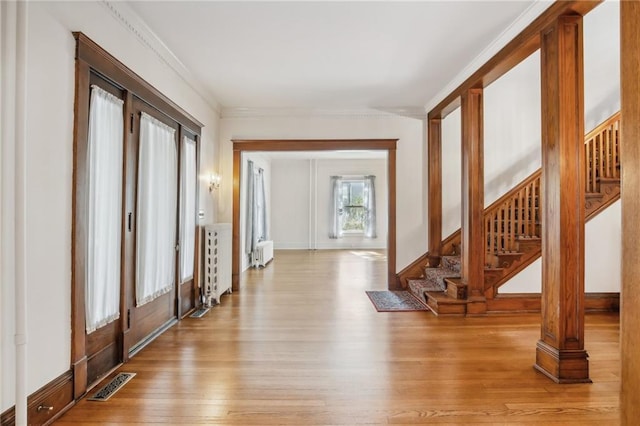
{"x":301,"y":344}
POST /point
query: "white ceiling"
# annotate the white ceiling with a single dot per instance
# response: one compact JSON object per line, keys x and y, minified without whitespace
{"x":330,"y":55}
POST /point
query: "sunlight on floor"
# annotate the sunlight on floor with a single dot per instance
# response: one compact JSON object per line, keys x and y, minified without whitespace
{"x":371,"y":255}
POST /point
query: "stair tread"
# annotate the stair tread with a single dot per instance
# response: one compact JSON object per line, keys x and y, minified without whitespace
{"x":528,"y":238}
{"x":609,"y":179}
{"x":436,"y":273}
{"x":443,"y":298}
{"x":594,"y":195}
{"x":452,"y":263}
{"x":421,"y":284}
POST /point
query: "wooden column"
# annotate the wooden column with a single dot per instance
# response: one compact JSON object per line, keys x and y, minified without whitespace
{"x":473,"y":236}
{"x":235,"y":241}
{"x":630,"y":158}
{"x":434,"y":188}
{"x":560,"y":353}
{"x":392,"y":283}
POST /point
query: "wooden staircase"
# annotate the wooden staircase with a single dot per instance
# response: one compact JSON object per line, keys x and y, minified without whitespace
{"x":513,"y":234}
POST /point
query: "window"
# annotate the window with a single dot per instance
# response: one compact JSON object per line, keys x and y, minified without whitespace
{"x":353,"y":209}
{"x":352,"y":206}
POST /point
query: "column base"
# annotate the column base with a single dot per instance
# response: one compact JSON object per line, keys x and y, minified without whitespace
{"x":562,"y":365}
{"x":476,"y":306}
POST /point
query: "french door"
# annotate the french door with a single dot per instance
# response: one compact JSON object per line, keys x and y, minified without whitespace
{"x":103,"y":338}
{"x":157,"y":233}
{"x":151,"y":211}
{"x":134,"y":214}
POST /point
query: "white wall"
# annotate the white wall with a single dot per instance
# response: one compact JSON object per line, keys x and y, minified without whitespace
{"x":511,"y":140}
{"x":50,"y":100}
{"x":411,"y":173}
{"x":602,"y":254}
{"x":264,"y":163}
{"x":601,"y":29}
{"x":512,"y":128}
{"x":451,"y":172}
{"x":300,"y":216}
{"x":292,"y":196}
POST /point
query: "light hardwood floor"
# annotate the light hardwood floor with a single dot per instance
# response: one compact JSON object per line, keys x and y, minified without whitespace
{"x":301,"y":344}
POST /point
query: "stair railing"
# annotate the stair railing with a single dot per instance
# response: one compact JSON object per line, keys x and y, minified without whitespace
{"x":513,"y":216}
{"x":517,"y":215}
{"x":602,"y":153}
{"x":602,"y":162}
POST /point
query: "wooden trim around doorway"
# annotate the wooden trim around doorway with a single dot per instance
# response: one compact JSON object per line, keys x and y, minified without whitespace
{"x":389,"y":145}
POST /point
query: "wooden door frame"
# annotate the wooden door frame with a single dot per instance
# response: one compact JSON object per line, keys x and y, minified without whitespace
{"x":273,"y":145}
{"x":90,"y":59}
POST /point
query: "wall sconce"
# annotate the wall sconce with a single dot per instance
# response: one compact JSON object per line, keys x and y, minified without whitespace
{"x":214,"y":181}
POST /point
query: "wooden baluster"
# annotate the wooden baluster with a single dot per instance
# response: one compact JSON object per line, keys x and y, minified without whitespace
{"x":489,"y":230}
{"x":601,"y":156}
{"x":494,"y":232}
{"x":607,"y":138}
{"x":536,"y":207}
{"x":616,"y":148}
{"x":527,"y":207}
{"x":512,"y":224}
{"x":594,"y":166}
{"x":518,"y":218}
{"x":523,"y":207}
{"x":500,"y":230}
{"x":505,"y":227}
{"x":588,"y":162}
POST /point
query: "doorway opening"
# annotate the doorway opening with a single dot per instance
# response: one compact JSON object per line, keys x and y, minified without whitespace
{"x":241,"y":147}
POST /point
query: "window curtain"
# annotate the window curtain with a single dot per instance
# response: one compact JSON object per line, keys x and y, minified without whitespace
{"x":335,"y":208}
{"x":369,"y":201}
{"x":261,"y":205}
{"x":256,"y":212}
{"x":156,"y":217}
{"x":188,"y":193}
{"x":104,"y":181}
{"x":251,"y":236}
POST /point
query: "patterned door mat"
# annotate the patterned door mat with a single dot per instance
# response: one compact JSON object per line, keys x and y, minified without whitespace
{"x":112,"y":387}
{"x":395,"y":301}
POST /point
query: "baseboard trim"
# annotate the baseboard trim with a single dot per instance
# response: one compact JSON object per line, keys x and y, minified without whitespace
{"x":598,"y":302}
{"x":530,"y":302}
{"x":151,"y":337}
{"x":57,"y":394}
{"x":514,"y":302}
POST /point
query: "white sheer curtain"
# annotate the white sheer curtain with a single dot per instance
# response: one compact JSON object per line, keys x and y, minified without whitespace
{"x":261,"y":206}
{"x":251,"y":218}
{"x":369,"y":201}
{"x":335,"y":208}
{"x":256,"y":212}
{"x":104,"y":181}
{"x":156,"y":217}
{"x":188,"y":191}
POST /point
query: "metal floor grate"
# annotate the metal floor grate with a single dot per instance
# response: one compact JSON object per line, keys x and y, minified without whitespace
{"x":199,"y":313}
{"x":112,"y":387}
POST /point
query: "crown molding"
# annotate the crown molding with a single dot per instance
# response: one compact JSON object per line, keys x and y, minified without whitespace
{"x":521,"y":22}
{"x":124,"y":14}
{"x":409,"y":112}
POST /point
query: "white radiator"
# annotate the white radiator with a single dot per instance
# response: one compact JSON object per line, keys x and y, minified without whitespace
{"x":217,"y":261}
{"x":263,"y":253}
